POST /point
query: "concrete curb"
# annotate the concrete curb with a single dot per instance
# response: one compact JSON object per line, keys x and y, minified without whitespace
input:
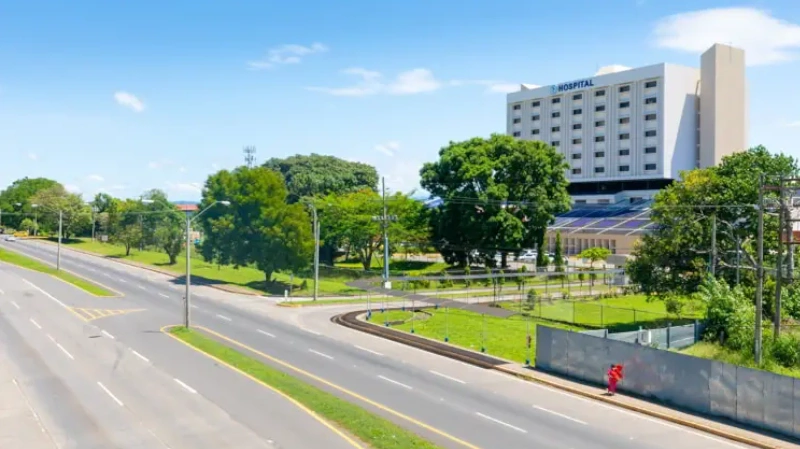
{"x":351,"y":321}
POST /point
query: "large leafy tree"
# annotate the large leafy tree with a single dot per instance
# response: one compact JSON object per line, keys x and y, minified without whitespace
{"x":76,"y":215}
{"x":15,"y":200}
{"x":499,"y":194}
{"x":258,"y":227}
{"x":675,"y":256}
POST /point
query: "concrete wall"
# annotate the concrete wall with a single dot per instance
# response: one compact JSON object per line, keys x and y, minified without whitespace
{"x":753,"y":397}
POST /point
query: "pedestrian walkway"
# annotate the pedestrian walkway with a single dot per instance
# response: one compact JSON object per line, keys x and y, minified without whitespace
{"x":19,"y":425}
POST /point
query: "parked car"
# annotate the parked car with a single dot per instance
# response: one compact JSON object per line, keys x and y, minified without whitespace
{"x":527,"y":256}
{"x":10,"y":238}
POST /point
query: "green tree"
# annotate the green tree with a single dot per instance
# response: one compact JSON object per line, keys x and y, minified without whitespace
{"x":499,"y":194}
{"x":258,"y":227}
{"x":558,"y":257}
{"x":29,"y":225}
{"x":15,"y":200}
{"x":77,"y":217}
{"x":675,"y":256}
{"x":128,"y":235}
{"x":594,"y":255}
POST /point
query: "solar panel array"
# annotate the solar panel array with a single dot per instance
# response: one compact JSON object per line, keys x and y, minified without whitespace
{"x":626,"y":218}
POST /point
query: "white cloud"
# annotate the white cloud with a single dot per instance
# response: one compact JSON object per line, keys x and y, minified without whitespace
{"x":504,"y":88}
{"x":155,"y":165}
{"x":215,"y":166}
{"x":793,"y":124}
{"x":129,"y":101}
{"x":33,"y":156}
{"x":72,"y":188}
{"x":182,"y":169}
{"x":402,"y":176}
{"x":286,"y":54}
{"x":117,"y":187}
{"x":192,"y":187}
{"x":388,"y":148}
{"x":95,"y":178}
{"x":413,"y":81}
{"x":764,"y":38}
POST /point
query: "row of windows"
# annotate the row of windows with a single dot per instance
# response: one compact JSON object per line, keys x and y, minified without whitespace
{"x":623,"y":136}
{"x":623,"y":152}
{"x":622,"y":168}
{"x":599,"y":93}
{"x":622,"y":121}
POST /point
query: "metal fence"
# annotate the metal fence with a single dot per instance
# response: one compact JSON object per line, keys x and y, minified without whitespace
{"x":670,"y":337}
{"x":756,"y":398}
{"x":598,"y":315}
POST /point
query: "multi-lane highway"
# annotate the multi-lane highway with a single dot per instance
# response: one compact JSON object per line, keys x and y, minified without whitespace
{"x":453,"y":404}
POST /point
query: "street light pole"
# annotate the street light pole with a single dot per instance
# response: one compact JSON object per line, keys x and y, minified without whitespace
{"x":760,"y":272}
{"x":385,"y":237}
{"x":60,"y":227}
{"x":316,"y":251}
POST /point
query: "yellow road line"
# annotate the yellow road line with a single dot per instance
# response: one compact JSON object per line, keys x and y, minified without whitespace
{"x":302,"y":407}
{"x":336,"y":387}
{"x":91,"y":281}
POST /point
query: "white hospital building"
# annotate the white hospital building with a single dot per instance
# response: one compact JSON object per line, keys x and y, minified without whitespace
{"x":627,"y":133}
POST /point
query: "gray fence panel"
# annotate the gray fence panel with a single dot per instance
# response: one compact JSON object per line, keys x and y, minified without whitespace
{"x":797,"y":407}
{"x":587,"y":357}
{"x":544,"y":344}
{"x":722,"y":386}
{"x":778,"y":402}
{"x":749,"y":396}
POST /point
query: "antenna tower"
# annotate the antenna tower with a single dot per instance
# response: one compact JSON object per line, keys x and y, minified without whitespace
{"x":250,"y":156}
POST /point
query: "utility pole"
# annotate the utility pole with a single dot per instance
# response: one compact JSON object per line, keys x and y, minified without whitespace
{"x":779,"y":261}
{"x":713,"y":263}
{"x":60,"y":228}
{"x":316,"y":252}
{"x":384,"y":218}
{"x":759,"y":271}
{"x":187,"y":299}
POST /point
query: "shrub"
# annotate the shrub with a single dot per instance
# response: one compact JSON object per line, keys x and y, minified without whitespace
{"x":730,"y":316}
{"x":674,"y":304}
{"x":786,"y":350}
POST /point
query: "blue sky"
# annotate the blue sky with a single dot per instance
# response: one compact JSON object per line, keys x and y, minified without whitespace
{"x":127,"y":96}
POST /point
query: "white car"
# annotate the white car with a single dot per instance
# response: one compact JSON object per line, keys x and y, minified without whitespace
{"x":527,"y":256}
{"x":10,"y":238}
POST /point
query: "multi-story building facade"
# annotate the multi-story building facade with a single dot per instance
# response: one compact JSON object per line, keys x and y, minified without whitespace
{"x":626,"y":133}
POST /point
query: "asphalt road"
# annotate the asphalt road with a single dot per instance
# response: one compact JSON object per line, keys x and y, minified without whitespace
{"x":453,"y":404}
{"x":88,"y":384}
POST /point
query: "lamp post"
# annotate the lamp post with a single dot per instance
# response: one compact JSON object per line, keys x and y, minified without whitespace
{"x":60,"y":229}
{"x":189,"y":220}
{"x":313,"y":207}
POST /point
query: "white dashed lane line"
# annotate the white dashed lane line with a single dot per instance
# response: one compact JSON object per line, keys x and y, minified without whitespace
{"x":445,"y":376}
{"x":223,"y":317}
{"x":559,"y":414}
{"x":320,"y":354}
{"x":136,"y":353}
{"x":186,"y":387}
{"x":108,"y":335}
{"x":396,"y":382}
{"x":65,"y":351}
{"x":502,"y":423}
{"x":368,"y":350}
{"x":109,"y":393}
{"x":163,"y":295}
{"x":35,"y":323}
{"x":15,"y":304}
{"x":265,"y":333}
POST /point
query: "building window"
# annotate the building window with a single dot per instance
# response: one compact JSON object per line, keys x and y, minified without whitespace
{"x":536,"y":104}
{"x":625,"y":89}
{"x":649,"y":166}
{"x":577,"y":126}
{"x":535,"y":132}
{"x":651,"y":133}
{"x":624,"y":104}
{"x":599,"y":154}
{"x":600,"y":93}
{"x":535,"y":118}
{"x":600,"y":123}
{"x":577,"y":141}
{"x":555,"y":129}
{"x":624,"y":168}
{"x":517,"y":133}
{"x":625,"y":152}
{"x":577,"y":111}
{"x":650,"y":100}
{"x":555,"y":143}
{"x":650,"y":150}
{"x":576,"y":171}
{"x":650,"y":117}
{"x":600,"y":108}
{"x":600,"y":138}
{"x":517,"y":120}
{"x":599,"y":169}
{"x":577,"y":96}
{"x":576,"y":156}
{"x":517,"y":107}
{"x":650,"y":84}
{"x":555,"y":114}
{"x":556,"y":100}
{"x":624,"y":120}
{"x":624,"y":136}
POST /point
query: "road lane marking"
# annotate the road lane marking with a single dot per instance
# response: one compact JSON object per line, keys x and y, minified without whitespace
{"x":51,"y":338}
{"x":35,"y":323}
{"x":188,"y":388}
{"x":316,"y":378}
{"x":107,"y":334}
{"x":107,"y":275}
{"x":109,"y":393}
{"x":195,"y":307}
{"x":321,"y":354}
{"x":122,"y":280}
{"x":447,"y":377}
{"x":45,"y":293}
{"x":2,"y":292}
{"x":15,"y":304}
{"x":92,"y":270}
{"x":368,"y":350}
{"x":65,"y":351}
{"x":559,"y":414}
{"x":223,"y":317}
{"x":310,"y":331}
{"x":265,"y":333}
{"x":140,"y":356}
{"x":163,"y":295}
{"x":142,"y":287}
{"x":395,"y":382}
{"x":500,"y":422}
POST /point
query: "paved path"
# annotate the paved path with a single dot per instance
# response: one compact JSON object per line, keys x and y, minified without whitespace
{"x":455,"y":404}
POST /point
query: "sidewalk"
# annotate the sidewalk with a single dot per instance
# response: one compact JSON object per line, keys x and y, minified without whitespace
{"x":700,"y":423}
{"x":19,"y":425}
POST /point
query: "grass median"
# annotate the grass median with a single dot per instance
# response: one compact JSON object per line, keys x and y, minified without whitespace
{"x":375,"y":431}
{"x":32,"y":264}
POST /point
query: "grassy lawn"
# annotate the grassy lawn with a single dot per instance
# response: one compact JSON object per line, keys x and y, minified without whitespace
{"x":246,"y":277}
{"x":501,"y":337}
{"x":377,"y":432}
{"x":32,"y":264}
{"x":376,"y":302}
{"x":742,"y":358}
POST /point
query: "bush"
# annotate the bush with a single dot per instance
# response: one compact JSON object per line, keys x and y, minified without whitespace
{"x":674,"y":304}
{"x":785,"y":350}
{"x":730,"y":316}
{"x":791,"y":301}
